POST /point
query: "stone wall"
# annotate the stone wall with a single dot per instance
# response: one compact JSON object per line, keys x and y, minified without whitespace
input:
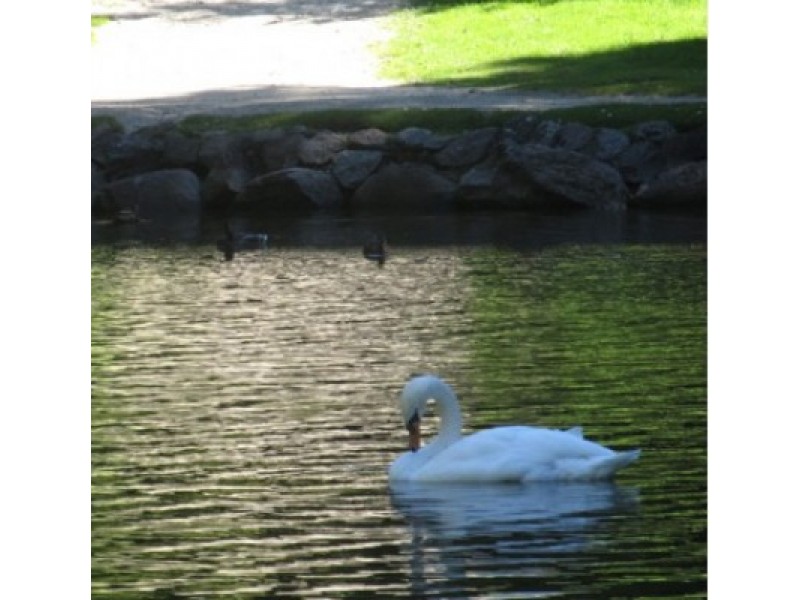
{"x":529,"y":163}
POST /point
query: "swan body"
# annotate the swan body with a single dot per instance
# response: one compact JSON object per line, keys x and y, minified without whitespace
{"x":502,"y":454}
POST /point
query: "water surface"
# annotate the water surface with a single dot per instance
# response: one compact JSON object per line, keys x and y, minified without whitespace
{"x":243,"y":412}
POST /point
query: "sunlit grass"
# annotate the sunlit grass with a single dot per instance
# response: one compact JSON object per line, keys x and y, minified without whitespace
{"x":589,"y":46}
{"x":97,"y":22}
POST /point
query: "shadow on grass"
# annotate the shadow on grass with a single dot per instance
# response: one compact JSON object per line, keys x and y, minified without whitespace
{"x":668,"y":68}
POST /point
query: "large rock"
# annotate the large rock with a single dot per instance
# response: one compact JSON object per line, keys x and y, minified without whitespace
{"x":405,"y":185}
{"x":352,"y":167}
{"x":419,"y":139}
{"x":570,"y":176}
{"x":280,"y":148}
{"x":320,"y":149}
{"x":573,"y":136}
{"x":686,"y":184}
{"x":466,"y":149}
{"x":222,"y":184}
{"x":489,"y":185}
{"x":371,"y":138}
{"x":296,"y":188}
{"x":180,"y":150}
{"x":158,"y":195}
{"x":133,"y":153}
{"x":607,"y":143}
{"x":652,"y":131}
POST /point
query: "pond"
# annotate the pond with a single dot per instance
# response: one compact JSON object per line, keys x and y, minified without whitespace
{"x":244,"y":412}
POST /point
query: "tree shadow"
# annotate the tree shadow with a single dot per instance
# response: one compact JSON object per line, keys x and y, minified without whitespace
{"x":314,"y":11}
{"x":439,"y":5}
{"x":668,"y":68}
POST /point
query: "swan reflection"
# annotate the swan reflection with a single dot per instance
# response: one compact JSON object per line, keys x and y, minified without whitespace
{"x":467,"y":531}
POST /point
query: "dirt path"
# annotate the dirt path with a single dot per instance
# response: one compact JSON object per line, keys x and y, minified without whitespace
{"x":165,"y":59}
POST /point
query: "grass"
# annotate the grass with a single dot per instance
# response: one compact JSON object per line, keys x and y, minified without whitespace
{"x":446,"y":120}
{"x":575,"y":46}
{"x":98,"y":22}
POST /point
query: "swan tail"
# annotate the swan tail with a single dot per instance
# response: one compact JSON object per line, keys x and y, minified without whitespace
{"x":583,"y":469}
{"x":606,"y":467}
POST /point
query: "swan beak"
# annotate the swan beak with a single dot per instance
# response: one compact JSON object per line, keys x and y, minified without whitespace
{"x":414,"y":436}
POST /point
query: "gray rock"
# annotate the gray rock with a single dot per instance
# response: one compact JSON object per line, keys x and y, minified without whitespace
{"x":296,"y":188}
{"x":158,"y":195}
{"x":521,"y":128}
{"x":222,"y":184}
{"x":466,"y":149}
{"x":652,"y":131}
{"x":180,"y":150}
{"x":320,"y":149}
{"x":416,"y":138}
{"x":352,"y":167}
{"x":573,"y":136}
{"x":134,"y":153}
{"x":681,"y":185}
{"x":636,"y":163}
{"x":608,"y":143}
{"x":105,"y":137}
{"x":98,"y":187}
{"x":405,"y":185}
{"x":280,"y":149}
{"x":545,"y":132}
{"x":368,"y":138}
{"x":571,"y":176}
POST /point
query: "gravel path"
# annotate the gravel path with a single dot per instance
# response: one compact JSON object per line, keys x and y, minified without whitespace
{"x":165,"y":59}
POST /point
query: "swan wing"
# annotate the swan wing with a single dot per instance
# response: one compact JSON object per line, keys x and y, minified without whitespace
{"x":521,"y":453}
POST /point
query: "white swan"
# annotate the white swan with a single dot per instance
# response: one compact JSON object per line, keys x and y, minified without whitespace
{"x":502,"y":454}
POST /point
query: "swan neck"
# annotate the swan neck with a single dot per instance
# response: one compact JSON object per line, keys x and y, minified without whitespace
{"x":449,"y":415}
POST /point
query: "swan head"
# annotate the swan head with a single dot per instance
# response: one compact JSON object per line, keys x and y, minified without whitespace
{"x":414,"y":403}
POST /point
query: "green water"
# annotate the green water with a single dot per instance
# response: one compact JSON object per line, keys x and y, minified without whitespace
{"x":243,"y":416}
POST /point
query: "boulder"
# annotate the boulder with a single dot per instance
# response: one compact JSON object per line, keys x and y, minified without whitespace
{"x":133,"y":153}
{"x":573,"y":136}
{"x":222,"y":184}
{"x":98,"y":187}
{"x":489,"y":185}
{"x":320,"y":149}
{"x":180,"y":150}
{"x":686,"y":184}
{"x":466,"y":149}
{"x":158,"y":195}
{"x":570,"y":176}
{"x":405,"y":185}
{"x":416,"y":138}
{"x":521,"y":128}
{"x":545,"y":132}
{"x":280,"y":148}
{"x":370,"y":138}
{"x":607,"y":143}
{"x":637,"y":163}
{"x":652,"y":131}
{"x":296,"y":188}
{"x":352,"y":167}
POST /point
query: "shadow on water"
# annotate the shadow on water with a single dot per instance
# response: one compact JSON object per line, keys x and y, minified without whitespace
{"x":517,"y":230}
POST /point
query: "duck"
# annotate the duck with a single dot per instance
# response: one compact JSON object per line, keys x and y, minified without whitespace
{"x":506,"y":454}
{"x":233,"y":243}
{"x":375,"y":249}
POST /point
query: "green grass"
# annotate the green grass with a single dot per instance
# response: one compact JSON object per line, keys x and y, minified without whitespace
{"x":98,"y":22}
{"x":575,"y":46}
{"x":445,"y":120}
